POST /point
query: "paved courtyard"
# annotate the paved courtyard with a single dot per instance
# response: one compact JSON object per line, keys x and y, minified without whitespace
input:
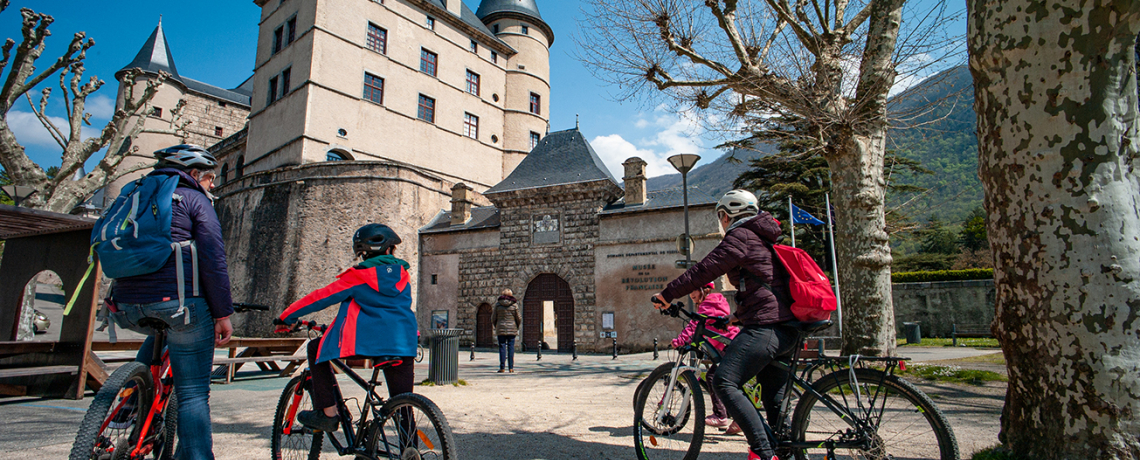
{"x":549,"y":409}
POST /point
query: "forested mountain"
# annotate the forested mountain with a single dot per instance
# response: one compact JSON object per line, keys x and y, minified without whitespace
{"x":935,"y":125}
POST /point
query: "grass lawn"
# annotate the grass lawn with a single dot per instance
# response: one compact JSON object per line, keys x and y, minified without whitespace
{"x":934,"y":342}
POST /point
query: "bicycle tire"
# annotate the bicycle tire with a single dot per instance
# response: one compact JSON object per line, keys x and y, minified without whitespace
{"x":908,"y":423}
{"x":301,"y":442}
{"x":92,"y":440}
{"x":668,"y":435}
{"x":401,"y":414}
{"x":169,"y":427}
{"x":420,"y":353}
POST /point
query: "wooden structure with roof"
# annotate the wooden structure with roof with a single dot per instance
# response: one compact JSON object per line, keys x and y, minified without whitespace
{"x":37,"y":241}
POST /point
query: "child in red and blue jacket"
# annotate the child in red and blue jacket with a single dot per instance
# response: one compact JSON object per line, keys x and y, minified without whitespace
{"x":375,"y":320}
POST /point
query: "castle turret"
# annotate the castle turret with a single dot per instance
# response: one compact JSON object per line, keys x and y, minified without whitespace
{"x":519,"y":24}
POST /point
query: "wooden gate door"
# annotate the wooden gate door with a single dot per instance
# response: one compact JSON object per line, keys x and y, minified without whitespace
{"x":548,"y":287}
{"x":484,"y":330}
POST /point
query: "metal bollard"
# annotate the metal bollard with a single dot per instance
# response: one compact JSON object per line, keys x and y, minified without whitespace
{"x":615,"y":349}
{"x":539,"y":356}
{"x":655,"y":354}
{"x":472,"y":351}
{"x":574,"y":350}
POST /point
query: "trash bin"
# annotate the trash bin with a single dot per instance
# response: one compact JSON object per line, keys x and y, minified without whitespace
{"x":913,"y":333}
{"x":443,"y":367}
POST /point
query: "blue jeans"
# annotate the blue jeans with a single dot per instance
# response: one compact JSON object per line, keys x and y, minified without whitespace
{"x":506,"y":351}
{"x":750,"y":354}
{"x":191,"y":349}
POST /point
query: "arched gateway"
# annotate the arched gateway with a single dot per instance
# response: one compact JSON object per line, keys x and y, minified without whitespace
{"x":548,"y":294}
{"x":484,"y":330}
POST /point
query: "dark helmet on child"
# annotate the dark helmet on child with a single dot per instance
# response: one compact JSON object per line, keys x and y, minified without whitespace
{"x":184,"y":157}
{"x":374,"y":239}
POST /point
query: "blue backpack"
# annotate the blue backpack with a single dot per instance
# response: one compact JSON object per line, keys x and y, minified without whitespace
{"x":132,"y":237}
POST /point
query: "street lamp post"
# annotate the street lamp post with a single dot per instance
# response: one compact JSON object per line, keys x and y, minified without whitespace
{"x":684,"y":163}
{"x":18,"y":193}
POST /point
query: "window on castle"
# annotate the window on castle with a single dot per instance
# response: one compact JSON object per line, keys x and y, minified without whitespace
{"x":428,"y":62}
{"x":156,"y":112}
{"x":225,"y":174}
{"x":495,"y":57}
{"x":470,"y":126}
{"x":434,"y":278}
{"x":534,"y":138}
{"x":334,"y":155}
{"x":239,"y":169}
{"x":291,"y":30}
{"x":272,"y":96}
{"x":285,"y":77}
{"x":427,"y":109}
{"x":373,"y":88}
{"x":495,"y":28}
{"x":474,"y":47}
{"x":472,"y":83}
{"x":218,"y":131}
{"x":431,"y":23}
{"x":278,"y":37}
{"x":377,"y":39}
{"x":535,"y":104}
{"x":526,"y":30}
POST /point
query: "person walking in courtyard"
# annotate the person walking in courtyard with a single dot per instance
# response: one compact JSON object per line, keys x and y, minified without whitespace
{"x":763,"y":306}
{"x":507,"y":320}
{"x":712,"y":304}
{"x":375,"y":320}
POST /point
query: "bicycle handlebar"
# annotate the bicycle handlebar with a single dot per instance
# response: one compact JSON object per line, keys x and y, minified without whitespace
{"x":285,"y":328}
{"x":678,"y":308}
{"x":244,"y":307}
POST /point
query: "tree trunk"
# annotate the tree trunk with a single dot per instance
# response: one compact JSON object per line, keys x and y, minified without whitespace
{"x":862,"y":250}
{"x":1055,"y":94}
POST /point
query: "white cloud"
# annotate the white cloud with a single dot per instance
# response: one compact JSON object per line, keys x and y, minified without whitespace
{"x":30,"y":132}
{"x":676,"y":133}
{"x":100,"y":107}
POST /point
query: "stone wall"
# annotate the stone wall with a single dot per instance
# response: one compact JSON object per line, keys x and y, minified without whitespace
{"x":938,"y":306}
{"x":207,"y":113}
{"x":289,"y":231}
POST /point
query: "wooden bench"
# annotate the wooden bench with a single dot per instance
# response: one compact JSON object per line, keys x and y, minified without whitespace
{"x":971,"y":331}
{"x":265,"y":353}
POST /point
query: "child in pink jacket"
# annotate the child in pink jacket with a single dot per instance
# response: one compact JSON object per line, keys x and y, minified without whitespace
{"x":711,"y":304}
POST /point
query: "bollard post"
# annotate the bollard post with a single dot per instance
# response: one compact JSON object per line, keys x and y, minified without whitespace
{"x":655,"y":355}
{"x":615,"y":349}
{"x":472,"y":351}
{"x":574,"y":350}
{"x":539,"y":351}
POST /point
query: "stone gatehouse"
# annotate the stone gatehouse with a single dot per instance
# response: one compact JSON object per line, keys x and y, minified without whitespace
{"x":581,"y":254}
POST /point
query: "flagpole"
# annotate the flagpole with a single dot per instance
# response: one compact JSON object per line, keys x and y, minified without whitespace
{"x":834,"y":266}
{"x":792,"y":218}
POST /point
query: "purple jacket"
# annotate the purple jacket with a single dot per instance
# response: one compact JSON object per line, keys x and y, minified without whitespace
{"x":744,"y":247}
{"x":192,"y":218}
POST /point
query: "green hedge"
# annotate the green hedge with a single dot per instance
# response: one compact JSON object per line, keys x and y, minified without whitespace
{"x":943,"y":275}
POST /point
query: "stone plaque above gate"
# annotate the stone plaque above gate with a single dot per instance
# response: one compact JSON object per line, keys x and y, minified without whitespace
{"x":545,"y":229}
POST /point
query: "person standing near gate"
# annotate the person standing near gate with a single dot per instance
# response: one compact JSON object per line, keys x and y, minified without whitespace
{"x":507,"y":320}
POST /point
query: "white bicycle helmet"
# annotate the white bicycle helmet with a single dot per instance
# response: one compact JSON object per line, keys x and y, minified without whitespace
{"x":738,"y":203}
{"x":185,"y":156}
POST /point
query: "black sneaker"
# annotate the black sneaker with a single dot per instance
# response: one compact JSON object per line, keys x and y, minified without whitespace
{"x":317,"y":420}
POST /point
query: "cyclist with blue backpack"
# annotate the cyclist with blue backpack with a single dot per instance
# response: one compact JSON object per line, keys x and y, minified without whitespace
{"x":167,"y":218}
{"x":763,"y":304}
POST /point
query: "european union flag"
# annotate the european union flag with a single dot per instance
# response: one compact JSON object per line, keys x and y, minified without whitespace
{"x":799,"y":216}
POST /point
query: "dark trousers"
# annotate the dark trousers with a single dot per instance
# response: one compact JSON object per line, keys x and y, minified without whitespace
{"x":506,"y":351}
{"x":750,"y":354}
{"x":718,"y":405}
{"x":400,"y":379}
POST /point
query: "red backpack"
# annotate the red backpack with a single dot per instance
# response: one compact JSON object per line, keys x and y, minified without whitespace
{"x":811,"y":292}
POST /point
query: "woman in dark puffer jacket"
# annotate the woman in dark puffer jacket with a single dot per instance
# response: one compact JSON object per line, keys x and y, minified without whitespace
{"x":763,"y":304}
{"x":507,"y":320}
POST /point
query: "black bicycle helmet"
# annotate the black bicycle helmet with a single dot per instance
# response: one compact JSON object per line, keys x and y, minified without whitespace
{"x":185,"y":156}
{"x":374,"y":239}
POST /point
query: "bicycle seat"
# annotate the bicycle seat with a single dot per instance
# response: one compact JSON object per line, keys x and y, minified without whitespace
{"x":153,"y":323}
{"x":811,"y":327}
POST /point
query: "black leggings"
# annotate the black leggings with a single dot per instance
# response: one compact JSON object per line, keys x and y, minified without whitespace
{"x":400,"y":379}
{"x":750,"y":354}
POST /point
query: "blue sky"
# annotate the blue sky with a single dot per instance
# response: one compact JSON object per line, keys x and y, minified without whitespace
{"x":213,"y":41}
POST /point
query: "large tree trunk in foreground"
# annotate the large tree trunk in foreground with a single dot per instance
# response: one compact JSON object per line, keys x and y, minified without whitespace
{"x":1057,"y":140}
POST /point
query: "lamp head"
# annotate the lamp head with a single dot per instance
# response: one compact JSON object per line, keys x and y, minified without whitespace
{"x":684,"y":162}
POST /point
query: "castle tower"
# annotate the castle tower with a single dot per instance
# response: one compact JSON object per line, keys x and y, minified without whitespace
{"x":527,"y":118}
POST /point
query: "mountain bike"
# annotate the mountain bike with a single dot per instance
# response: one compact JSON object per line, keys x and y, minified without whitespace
{"x":407,"y":426}
{"x":858,"y":408}
{"x":135,"y":414}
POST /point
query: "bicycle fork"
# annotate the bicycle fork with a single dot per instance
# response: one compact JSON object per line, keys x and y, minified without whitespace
{"x":667,"y":399}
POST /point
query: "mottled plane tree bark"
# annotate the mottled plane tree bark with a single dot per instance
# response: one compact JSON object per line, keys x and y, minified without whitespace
{"x":829,"y":63}
{"x":60,"y":193}
{"x":1058,"y":140}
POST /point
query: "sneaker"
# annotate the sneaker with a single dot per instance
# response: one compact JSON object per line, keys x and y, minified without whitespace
{"x":317,"y":420}
{"x":733,"y":429}
{"x":716,"y":421}
{"x":754,"y":456}
{"x":512,"y":371}
{"x":126,"y":415}
{"x":502,"y":371}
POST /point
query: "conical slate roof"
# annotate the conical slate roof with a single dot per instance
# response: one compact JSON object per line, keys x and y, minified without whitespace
{"x":562,"y":157}
{"x":154,"y":56}
{"x":527,"y":7}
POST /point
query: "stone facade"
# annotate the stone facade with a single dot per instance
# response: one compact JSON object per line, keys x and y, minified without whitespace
{"x":938,"y":306}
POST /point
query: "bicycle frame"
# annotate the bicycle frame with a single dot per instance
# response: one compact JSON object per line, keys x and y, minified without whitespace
{"x":163,"y":381}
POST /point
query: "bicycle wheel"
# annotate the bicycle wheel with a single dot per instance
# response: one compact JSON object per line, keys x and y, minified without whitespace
{"x":113,"y":417}
{"x":413,"y":428}
{"x":673,"y":428}
{"x":905,"y":421}
{"x":300,"y":442}
{"x":165,"y":444}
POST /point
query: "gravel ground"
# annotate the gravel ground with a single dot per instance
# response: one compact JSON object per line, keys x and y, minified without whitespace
{"x":549,"y":409}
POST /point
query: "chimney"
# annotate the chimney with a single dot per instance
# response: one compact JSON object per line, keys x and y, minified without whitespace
{"x":460,"y":204}
{"x":454,"y":7}
{"x":634,"y":181}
